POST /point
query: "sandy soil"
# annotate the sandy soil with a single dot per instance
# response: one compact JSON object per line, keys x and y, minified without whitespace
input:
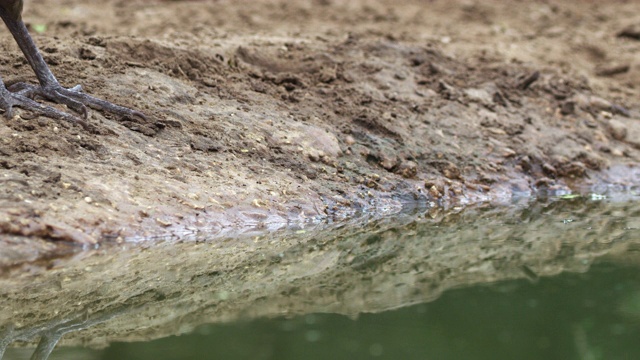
{"x":271,"y":114}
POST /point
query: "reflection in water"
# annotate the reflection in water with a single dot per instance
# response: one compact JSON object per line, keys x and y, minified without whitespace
{"x":441,"y":261}
{"x":572,"y":316}
{"x":51,"y":332}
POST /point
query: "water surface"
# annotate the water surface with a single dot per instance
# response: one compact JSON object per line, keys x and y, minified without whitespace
{"x":555,"y":279}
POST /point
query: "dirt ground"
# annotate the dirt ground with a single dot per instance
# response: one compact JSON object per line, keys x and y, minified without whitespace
{"x":272,"y":114}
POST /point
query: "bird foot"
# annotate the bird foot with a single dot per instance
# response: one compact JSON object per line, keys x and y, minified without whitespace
{"x":74,"y":98}
{"x":10,"y":100}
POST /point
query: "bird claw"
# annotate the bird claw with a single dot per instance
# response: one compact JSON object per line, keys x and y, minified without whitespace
{"x":9,"y":101}
{"x":74,"y":98}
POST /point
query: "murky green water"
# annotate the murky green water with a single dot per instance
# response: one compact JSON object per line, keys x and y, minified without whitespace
{"x":572,"y":316}
{"x":556,"y":280}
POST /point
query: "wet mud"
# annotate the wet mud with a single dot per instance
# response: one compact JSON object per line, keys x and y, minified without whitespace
{"x":266,"y":115}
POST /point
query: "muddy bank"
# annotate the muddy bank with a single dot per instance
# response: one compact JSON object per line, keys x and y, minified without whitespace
{"x":275,"y":114}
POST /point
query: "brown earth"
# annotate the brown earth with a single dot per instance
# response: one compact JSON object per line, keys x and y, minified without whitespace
{"x":271,"y":114}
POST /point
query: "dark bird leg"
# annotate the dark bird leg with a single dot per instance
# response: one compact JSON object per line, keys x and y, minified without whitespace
{"x":9,"y":100}
{"x":21,"y":94}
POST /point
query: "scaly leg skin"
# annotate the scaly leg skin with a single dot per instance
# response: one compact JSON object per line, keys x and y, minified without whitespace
{"x":49,"y":89}
{"x":9,"y":100}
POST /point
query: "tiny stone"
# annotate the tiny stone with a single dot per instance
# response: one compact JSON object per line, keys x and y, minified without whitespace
{"x":349,"y":140}
{"x":496,"y":131}
{"x":451,"y":171}
{"x":575,"y":169}
{"x":544,"y":182}
{"x":568,"y":108}
{"x":612,"y":69}
{"x":327,"y":75}
{"x":314,"y":157}
{"x":428,"y":184}
{"x":617,"y":152}
{"x":549,"y":169}
{"x":408,"y":169}
{"x":162,"y":222}
{"x":508,"y":152}
{"x":433,"y":191}
{"x":388,"y":163}
{"x":617,"y":129}
{"x":599,"y":103}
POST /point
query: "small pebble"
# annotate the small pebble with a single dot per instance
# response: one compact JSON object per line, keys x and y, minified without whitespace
{"x":508,"y":152}
{"x":549,"y":169}
{"x":451,"y":171}
{"x":599,"y":103}
{"x":617,"y":129}
{"x":617,"y":152}
{"x":408,"y":169}
{"x":612,"y":69}
{"x":388,"y":162}
{"x":568,"y":107}
{"x":349,"y":140}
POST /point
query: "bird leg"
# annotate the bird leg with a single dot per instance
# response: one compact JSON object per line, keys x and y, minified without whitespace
{"x":49,"y":88}
{"x":9,"y":100}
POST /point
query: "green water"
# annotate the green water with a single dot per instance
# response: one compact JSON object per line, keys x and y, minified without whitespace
{"x":568,"y":289}
{"x":576,"y":316}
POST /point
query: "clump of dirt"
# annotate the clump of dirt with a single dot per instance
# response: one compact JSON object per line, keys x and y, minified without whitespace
{"x":265,"y":114}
